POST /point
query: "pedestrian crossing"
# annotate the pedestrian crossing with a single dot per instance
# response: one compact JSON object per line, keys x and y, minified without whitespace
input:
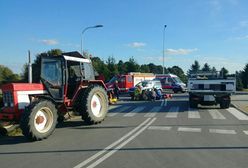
{"x":175,"y":112}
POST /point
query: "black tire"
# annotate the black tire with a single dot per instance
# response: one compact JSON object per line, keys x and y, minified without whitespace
{"x":94,"y":104}
{"x":224,"y":104}
{"x":35,"y":128}
{"x":193,"y":104}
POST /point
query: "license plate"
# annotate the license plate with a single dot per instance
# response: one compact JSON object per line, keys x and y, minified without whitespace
{"x":209,"y":98}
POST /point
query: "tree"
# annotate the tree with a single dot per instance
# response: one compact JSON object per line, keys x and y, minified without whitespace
{"x":112,"y":67}
{"x":239,"y":84}
{"x":206,"y":67}
{"x":179,"y":72}
{"x":100,"y":67}
{"x":144,"y":68}
{"x":132,"y":66}
{"x":122,"y":69}
{"x":7,"y":76}
{"x":36,"y":66}
{"x":195,"y":67}
{"x":245,"y":76}
{"x":224,"y":72}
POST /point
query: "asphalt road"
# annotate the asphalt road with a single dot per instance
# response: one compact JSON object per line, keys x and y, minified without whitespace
{"x":140,"y":134}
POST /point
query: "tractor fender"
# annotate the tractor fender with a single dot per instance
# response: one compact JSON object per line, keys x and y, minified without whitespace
{"x":98,"y":82}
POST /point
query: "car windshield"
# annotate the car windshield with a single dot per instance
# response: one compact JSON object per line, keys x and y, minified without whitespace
{"x":177,"y":80}
{"x":143,"y":84}
{"x":51,"y":71}
{"x":112,"y":80}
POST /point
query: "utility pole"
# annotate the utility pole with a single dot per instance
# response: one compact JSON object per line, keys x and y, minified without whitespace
{"x":29,"y":68}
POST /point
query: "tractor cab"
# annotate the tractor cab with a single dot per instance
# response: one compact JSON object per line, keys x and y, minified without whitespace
{"x":63,"y":74}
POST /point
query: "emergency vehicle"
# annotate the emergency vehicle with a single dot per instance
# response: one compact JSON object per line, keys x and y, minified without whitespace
{"x":171,"y":82}
{"x":129,"y":80}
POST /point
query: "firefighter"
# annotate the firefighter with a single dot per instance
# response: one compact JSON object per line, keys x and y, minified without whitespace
{"x":137,"y":93}
{"x":116,"y":89}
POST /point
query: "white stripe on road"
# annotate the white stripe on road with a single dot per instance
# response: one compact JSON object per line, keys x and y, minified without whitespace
{"x":163,"y":128}
{"x":153,"y":112}
{"x":239,"y":115}
{"x":173,"y":112}
{"x":135,"y":111}
{"x":111,"y":107}
{"x":187,"y":129}
{"x":109,"y":148}
{"x":246,"y":132}
{"x":193,"y":113}
{"x":164,"y":103}
{"x":221,"y":131}
{"x":107,"y":155}
{"x":216,"y":115}
{"x":121,"y":110}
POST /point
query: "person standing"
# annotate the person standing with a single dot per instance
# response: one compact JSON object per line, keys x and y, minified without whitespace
{"x":116,"y":89}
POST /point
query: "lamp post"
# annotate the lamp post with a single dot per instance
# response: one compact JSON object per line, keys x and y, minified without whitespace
{"x":90,"y":27}
{"x":163,"y":46}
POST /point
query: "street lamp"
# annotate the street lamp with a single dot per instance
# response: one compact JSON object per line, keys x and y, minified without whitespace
{"x":90,"y":27}
{"x":163,"y":46}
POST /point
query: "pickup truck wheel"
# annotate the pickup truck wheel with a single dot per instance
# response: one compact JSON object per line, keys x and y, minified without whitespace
{"x":225,"y":102}
{"x":193,"y":105}
{"x":39,"y":120}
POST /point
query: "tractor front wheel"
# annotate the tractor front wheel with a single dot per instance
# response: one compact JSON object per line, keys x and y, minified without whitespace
{"x":39,"y":120}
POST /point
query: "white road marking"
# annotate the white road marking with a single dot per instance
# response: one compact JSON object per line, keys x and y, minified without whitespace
{"x":131,"y":133}
{"x":121,"y":110}
{"x":163,"y":128}
{"x":113,"y":107}
{"x":135,"y":111}
{"x":153,"y":112}
{"x":193,"y":113}
{"x":164,"y":103}
{"x":246,"y":132}
{"x":187,"y":129}
{"x":111,"y":152}
{"x":221,"y":131}
{"x":173,"y":112}
{"x":216,"y":115}
{"x":239,"y":115}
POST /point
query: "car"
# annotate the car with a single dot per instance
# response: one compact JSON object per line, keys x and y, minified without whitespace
{"x":146,"y":85}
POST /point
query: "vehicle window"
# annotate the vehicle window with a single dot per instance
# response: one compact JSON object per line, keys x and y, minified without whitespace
{"x":177,"y":80}
{"x":51,"y":71}
{"x":88,"y":71}
{"x":170,"y":80}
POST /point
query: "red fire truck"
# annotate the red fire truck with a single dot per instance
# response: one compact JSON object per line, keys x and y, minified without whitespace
{"x":129,"y":80}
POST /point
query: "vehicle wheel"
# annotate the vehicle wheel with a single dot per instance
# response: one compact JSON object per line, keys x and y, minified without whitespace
{"x":39,"y":120}
{"x":94,"y":104}
{"x":224,"y":104}
{"x":193,"y":104}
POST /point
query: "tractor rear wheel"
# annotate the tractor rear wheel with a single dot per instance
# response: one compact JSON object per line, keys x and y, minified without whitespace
{"x":39,"y":120}
{"x":93,"y":104}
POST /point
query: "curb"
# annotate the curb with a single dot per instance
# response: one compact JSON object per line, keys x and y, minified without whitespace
{"x":237,"y":107}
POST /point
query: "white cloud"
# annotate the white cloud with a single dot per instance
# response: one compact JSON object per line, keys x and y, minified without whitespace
{"x":137,"y":45}
{"x":242,"y":37}
{"x":49,"y":41}
{"x":180,"y":51}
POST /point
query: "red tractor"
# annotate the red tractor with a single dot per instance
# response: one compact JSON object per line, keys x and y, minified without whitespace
{"x":67,"y":84}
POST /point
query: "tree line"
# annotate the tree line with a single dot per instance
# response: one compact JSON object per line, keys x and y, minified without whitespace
{"x":111,"y":67}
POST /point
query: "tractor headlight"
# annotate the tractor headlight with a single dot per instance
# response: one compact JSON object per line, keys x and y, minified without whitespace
{"x":5,"y":104}
{"x":11,"y":104}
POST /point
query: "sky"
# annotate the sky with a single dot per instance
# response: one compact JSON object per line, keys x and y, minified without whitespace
{"x":209,"y":31}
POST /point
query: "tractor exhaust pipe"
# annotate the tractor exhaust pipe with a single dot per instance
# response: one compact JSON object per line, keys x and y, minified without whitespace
{"x":29,"y":68}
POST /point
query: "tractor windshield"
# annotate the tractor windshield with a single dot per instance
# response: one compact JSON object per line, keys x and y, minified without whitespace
{"x":51,"y":71}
